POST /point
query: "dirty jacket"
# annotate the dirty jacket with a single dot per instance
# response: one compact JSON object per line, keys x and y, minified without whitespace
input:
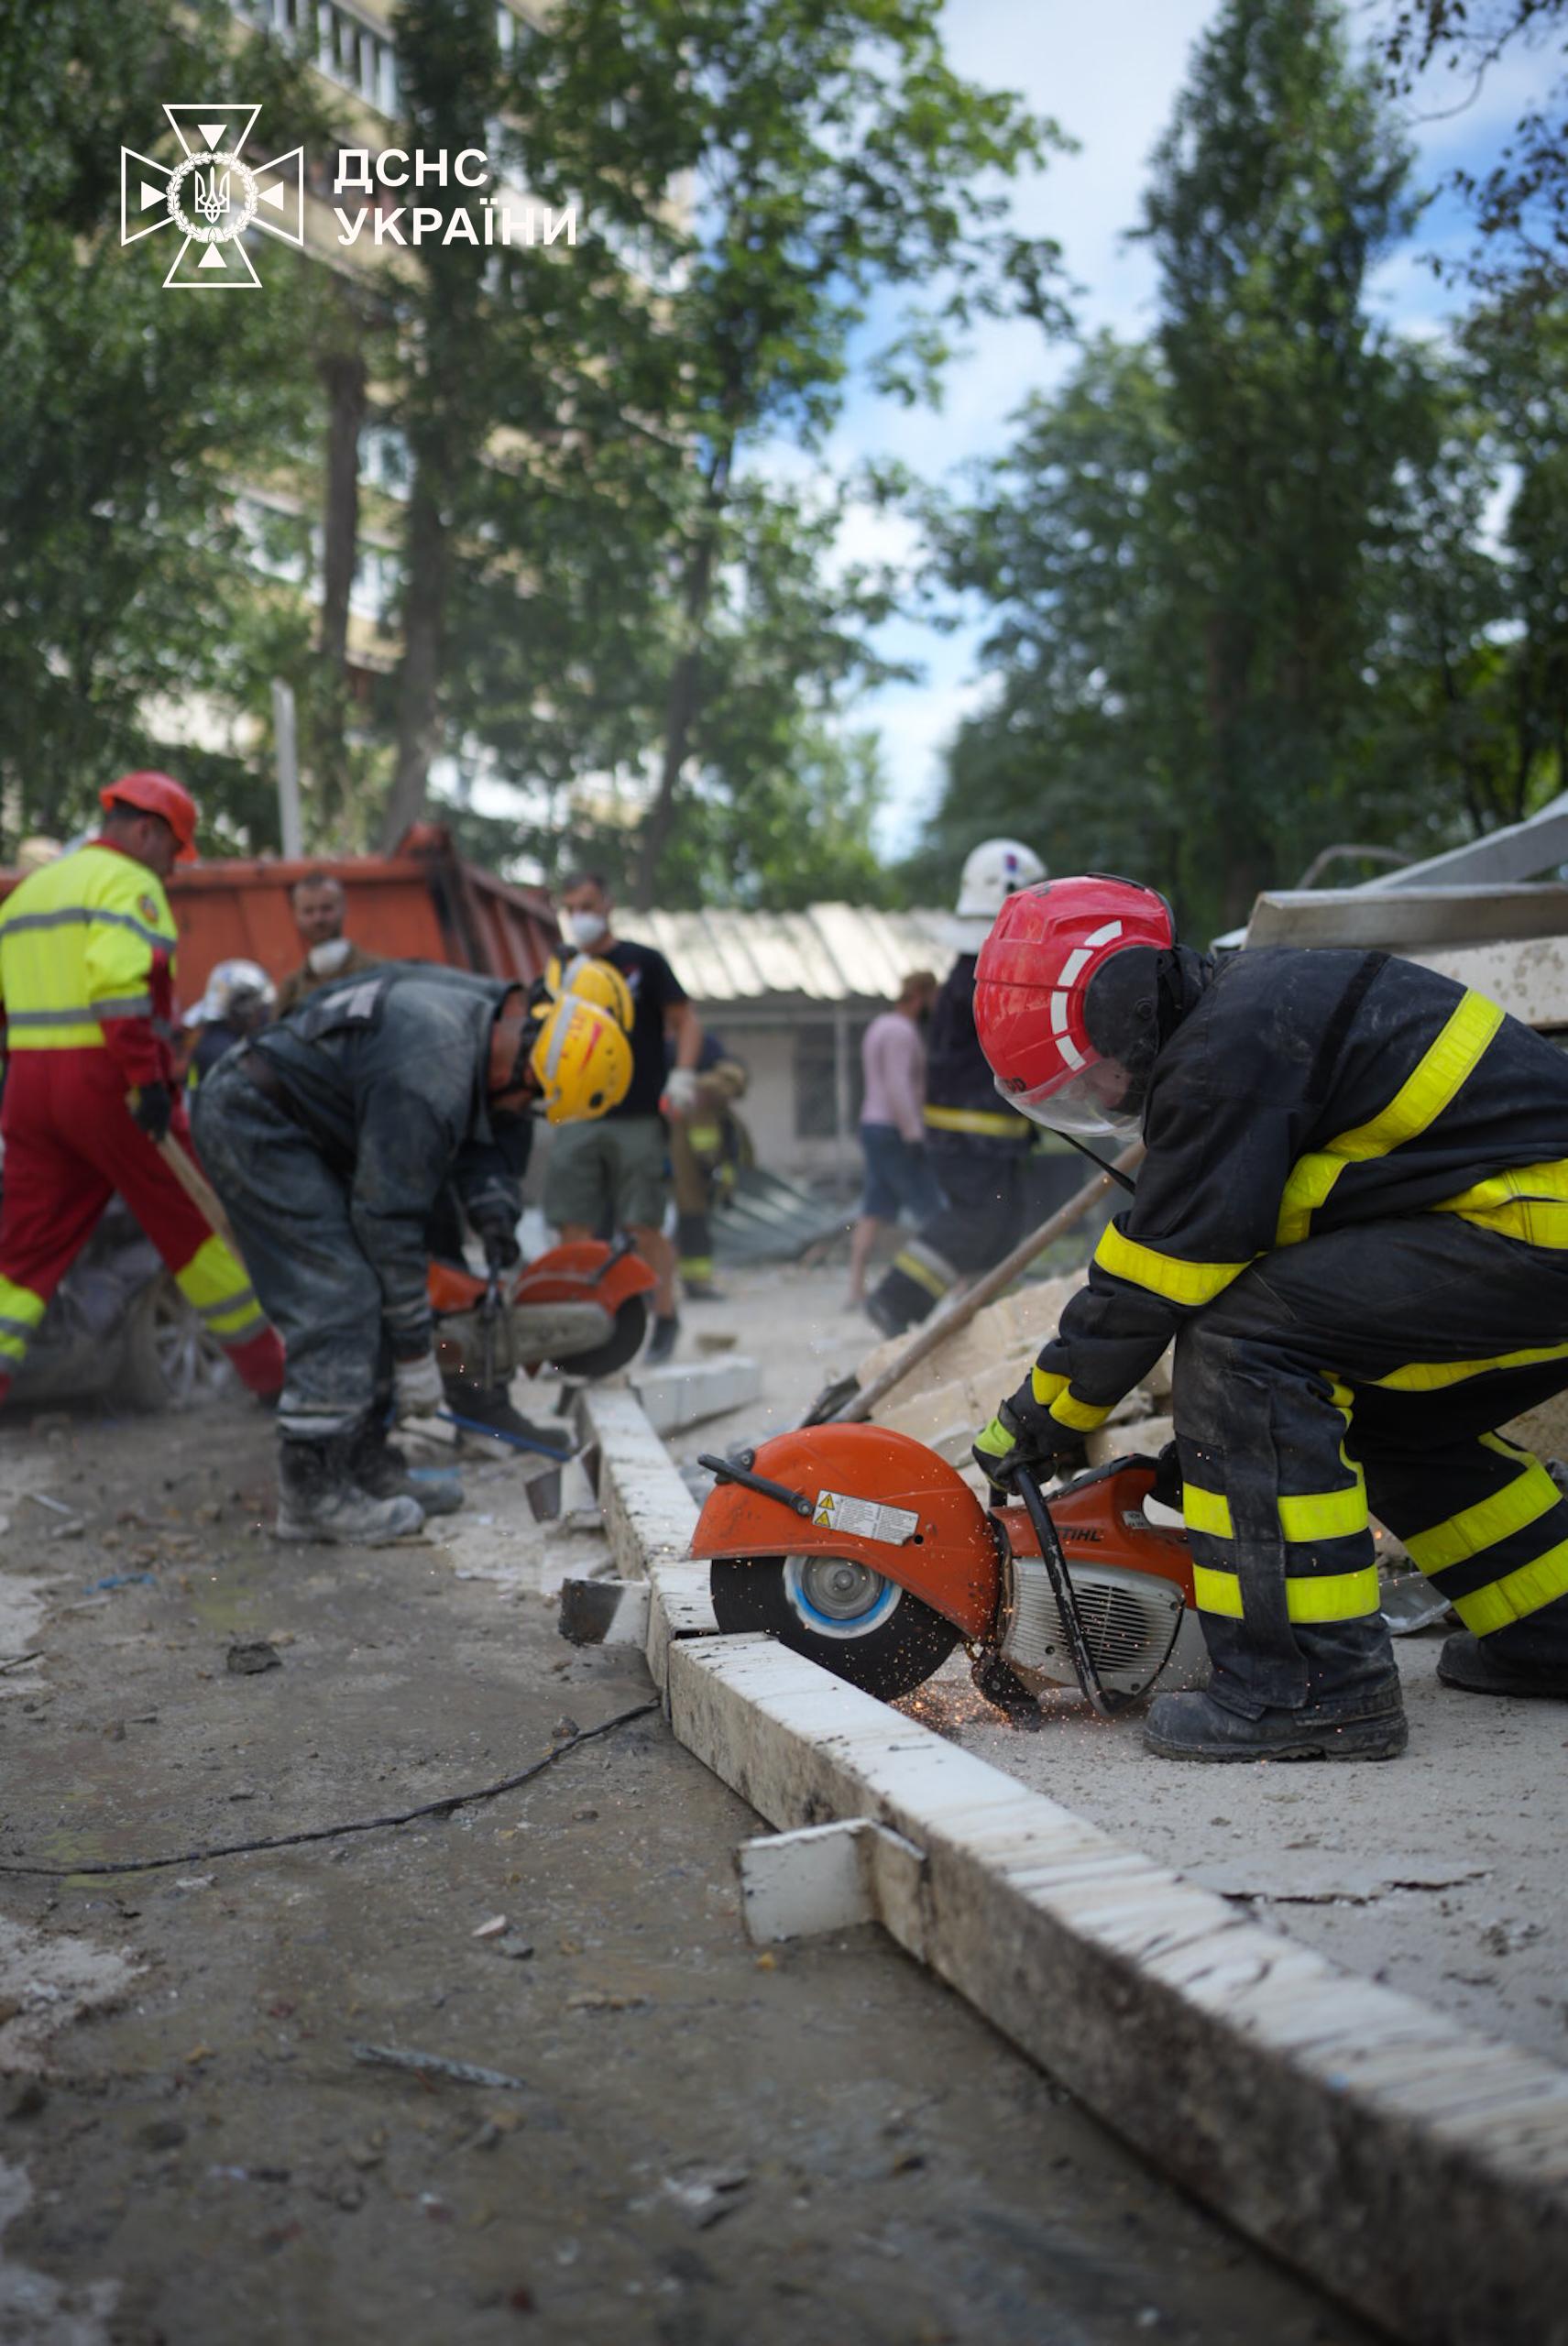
{"x":387,"y":1075}
{"x":1308,"y":1091}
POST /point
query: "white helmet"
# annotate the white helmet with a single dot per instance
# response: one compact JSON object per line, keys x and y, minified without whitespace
{"x":230,"y":986}
{"x":992,"y":871}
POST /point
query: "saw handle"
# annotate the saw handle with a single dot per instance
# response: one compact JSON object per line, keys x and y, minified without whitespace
{"x":1108,"y":1703}
{"x":730,"y":1470}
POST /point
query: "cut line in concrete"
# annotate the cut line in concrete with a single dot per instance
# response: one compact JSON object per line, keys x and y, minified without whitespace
{"x":1414,"y":2169}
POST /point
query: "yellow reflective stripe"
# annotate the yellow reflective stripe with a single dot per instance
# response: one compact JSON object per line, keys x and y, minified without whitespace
{"x":1516,"y":1595}
{"x":1313,"y":1515}
{"x":1082,"y":1416}
{"x":1309,"y":1597}
{"x":1051,"y":1391}
{"x":1529,"y":1201}
{"x":1332,"y":1597}
{"x":921,"y":1273}
{"x":20,"y":1305}
{"x":1168,"y":1275}
{"x":1519,"y":1503}
{"x":1217,"y":1591}
{"x":216,"y":1285}
{"x":1433,"y":1375}
{"x":53,"y":1038}
{"x":1207,"y":1511}
{"x":974,"y":1120}
{"x":20,"y":1312}
{"x":1430,"y":1088}
{"x":1325,"y":1515}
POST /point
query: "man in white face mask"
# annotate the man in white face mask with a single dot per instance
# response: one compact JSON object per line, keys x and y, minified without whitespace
{"x":619,"y":1171}
{"x":319,"y":908}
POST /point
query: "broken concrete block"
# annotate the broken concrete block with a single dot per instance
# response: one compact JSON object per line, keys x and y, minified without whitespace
{"x":604,"y":1612}
{"x":685,"y":1393}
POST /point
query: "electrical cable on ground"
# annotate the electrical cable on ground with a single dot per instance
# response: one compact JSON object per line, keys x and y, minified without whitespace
{"x":335,"y":1832}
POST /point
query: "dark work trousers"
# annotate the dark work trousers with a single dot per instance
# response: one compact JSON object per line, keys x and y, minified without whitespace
{"x":984,"y":1185}
{"x":290,"y":1215}
{"x":1370,"y":1367}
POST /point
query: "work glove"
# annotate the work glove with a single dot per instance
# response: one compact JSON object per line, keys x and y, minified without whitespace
{"x":1023,"y":1434}
{"x":681,"y":1091}
{"x":417,"y":1390}
{"x":153,"y":1109}
{"x":496,"y":1233}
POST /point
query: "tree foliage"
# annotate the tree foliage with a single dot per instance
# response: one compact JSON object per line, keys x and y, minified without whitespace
{"x":1521,"y":200}
{"x":1248,"y":601}
{"x":131,"y":615}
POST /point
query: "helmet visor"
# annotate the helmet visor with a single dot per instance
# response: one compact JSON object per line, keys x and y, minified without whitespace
{"x":1099,"y":1101}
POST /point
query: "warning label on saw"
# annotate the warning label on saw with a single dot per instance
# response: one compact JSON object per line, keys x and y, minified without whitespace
{"x":866,"y":1519}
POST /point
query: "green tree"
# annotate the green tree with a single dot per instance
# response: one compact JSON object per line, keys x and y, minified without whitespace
{"x":1190,"y":547}
{"x":1521,"y":200}
{"x":130,"y":613}
{"x":830,"y":150}
{"x":1281,"y":183}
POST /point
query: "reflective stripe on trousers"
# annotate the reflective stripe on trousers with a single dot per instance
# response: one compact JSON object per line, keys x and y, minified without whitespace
{"x":1504,"y":1554}
{"x":214,"y":1284}
{"x":20,"y":1313}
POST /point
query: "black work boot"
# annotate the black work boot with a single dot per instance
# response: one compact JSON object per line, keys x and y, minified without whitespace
{"x":1480,"y":1666}
{"x":661,"y":1342}
{"x":1368,"y":1724}
{"x":318,"y":1498}
{"x":381,"y":1470}
{"x":489,"y":1408}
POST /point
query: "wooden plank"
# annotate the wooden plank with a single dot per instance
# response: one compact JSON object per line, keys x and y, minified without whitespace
{"x":1409,"y":2166}
{"x":1401,"y":2163}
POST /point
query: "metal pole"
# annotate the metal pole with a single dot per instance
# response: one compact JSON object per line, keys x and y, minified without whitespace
{"x":841,"y":1088}
{"x":285,"y":735}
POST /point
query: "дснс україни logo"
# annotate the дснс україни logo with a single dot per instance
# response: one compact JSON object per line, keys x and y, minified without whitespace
{"x":213,"y":196}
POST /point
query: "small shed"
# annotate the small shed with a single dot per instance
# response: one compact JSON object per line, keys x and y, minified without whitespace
{"x":792,"y":994}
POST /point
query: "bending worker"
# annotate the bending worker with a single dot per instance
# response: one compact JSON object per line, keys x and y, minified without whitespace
{"x":977,"y":1148}
{"x":87,"y":947}
{"x":330,"y":1137}
{"x":1352,"y":1219}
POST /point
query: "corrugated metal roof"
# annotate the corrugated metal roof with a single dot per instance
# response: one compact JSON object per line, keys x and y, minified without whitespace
{"x":827,"y":953}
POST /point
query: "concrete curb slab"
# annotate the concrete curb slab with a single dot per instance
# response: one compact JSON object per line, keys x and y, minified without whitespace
{"x":1414,"y":2169}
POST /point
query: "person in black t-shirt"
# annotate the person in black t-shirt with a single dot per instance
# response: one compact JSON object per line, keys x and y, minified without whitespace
{"x":616,"y":1167}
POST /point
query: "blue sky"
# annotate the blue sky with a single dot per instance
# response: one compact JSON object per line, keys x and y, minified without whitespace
{"x":1109,"y":73}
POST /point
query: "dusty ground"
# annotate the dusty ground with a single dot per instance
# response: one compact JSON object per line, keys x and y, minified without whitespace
{"x":1444,"y":1874}
{"x":699,"y":2146}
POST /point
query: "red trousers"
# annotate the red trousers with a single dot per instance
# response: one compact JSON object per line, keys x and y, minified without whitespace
{"x":70,"y":1142}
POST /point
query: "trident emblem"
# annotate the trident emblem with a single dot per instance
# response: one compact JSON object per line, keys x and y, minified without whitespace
{"x":211,"y":197}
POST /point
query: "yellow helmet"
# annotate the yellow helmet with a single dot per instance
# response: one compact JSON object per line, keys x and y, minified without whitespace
{"x":591,"y":980}
{"x":581,"y":1061}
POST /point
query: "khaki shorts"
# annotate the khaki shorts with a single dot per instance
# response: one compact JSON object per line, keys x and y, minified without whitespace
{"x":614,"y":1168}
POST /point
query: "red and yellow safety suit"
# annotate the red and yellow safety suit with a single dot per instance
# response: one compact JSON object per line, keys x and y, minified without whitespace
{"x":87,"y":949}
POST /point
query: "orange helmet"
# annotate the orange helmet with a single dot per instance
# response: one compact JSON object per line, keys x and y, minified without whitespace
{"x":157,"y":794}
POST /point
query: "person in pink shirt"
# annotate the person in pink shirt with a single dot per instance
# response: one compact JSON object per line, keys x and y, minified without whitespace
{"x":892,"y":1131}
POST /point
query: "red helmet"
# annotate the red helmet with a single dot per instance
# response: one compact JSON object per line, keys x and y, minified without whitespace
{"x":157,"y":794}
{"x":1032,"y":1011}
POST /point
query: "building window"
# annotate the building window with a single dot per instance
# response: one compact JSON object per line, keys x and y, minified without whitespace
{"x":357,"y":55}
{"x":817,"y":1081}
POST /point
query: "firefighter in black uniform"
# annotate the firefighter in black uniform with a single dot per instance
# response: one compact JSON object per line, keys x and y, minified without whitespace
{"x":1354,"y":1220}
{"x":979,"y":1147}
